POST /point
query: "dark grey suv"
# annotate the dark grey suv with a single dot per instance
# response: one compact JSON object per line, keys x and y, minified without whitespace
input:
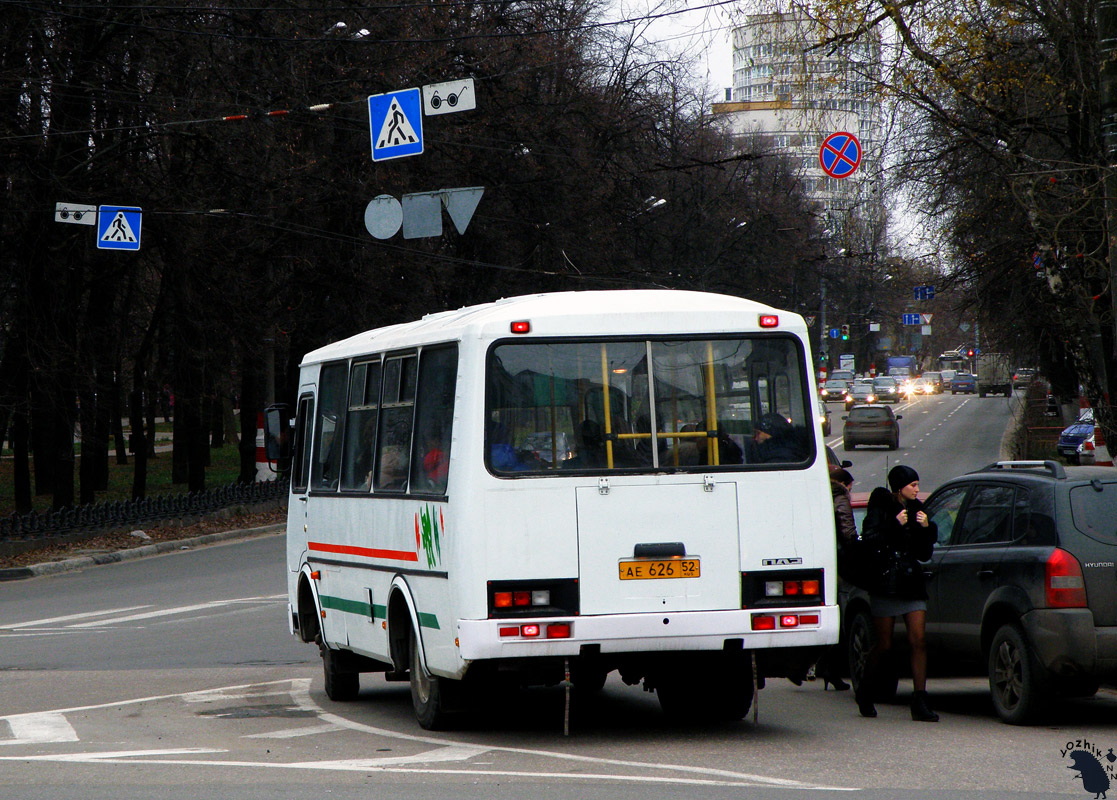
{"x":1022,"y":585}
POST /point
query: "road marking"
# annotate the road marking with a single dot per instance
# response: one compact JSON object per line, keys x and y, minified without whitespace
{"x":40,"y":728}
{"x":121,"y":756}
{"x":294,"y":733}
{"x":453,"y":752}
{"x":168,"y":612}
{"x":445,"y":750}
{"x":157,"y":697}
{"x":301,"y":695}
{"x":84,"y":615}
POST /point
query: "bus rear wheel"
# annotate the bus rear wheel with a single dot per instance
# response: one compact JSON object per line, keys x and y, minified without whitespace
{"x":428,"y":692}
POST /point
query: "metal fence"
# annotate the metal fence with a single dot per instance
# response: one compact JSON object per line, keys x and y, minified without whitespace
{"x":121,"y":513}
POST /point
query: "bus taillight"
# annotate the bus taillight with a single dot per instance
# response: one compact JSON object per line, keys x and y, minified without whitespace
{"x":558,"y":630}
{"x":549,"y":597}
{"x":793,"y":587}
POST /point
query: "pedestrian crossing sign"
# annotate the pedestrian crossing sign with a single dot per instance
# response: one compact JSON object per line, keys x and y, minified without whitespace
{"x":396,"y":123}
{"x":118,"y":227}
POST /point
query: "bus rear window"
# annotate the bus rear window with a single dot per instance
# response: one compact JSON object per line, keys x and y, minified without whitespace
{"x":639,"y":405}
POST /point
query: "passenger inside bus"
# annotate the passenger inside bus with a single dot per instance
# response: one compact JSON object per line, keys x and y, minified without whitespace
{"x":774,"y":439}
{"x":591,"y":447}
{"x":436,"y":464}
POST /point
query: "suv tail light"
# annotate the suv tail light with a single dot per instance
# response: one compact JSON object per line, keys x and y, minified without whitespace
{"x":1063,"y":583}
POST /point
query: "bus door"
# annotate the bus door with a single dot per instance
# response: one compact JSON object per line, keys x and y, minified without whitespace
{"x":300,"y":472}
{"x":655,"y":548}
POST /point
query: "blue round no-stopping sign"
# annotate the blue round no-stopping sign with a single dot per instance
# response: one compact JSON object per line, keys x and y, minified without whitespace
{"x":840,"y":155}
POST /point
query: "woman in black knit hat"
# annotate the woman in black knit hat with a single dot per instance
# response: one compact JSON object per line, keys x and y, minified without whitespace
{"x":898,"y":528}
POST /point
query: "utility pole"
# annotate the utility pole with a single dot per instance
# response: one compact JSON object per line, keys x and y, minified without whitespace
{"x":824,"y":330}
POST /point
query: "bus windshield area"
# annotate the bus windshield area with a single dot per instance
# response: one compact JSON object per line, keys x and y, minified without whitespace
{"x":639,"y":405}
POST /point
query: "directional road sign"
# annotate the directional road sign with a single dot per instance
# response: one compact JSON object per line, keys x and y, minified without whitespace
{"x":118,"y":228}
{"x":840,"y":155}
{"x":396,"y":122}
{"x":834,"y":333}
{"x":912,"y":319}
{"x":924,"y":292}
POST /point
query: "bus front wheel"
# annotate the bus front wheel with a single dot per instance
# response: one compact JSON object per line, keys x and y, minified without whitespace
{"x":427,"y":691}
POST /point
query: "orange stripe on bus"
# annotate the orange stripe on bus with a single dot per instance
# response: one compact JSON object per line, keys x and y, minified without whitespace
{"x":396,"y":555}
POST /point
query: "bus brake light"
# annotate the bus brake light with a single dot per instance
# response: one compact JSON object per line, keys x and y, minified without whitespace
{"x":769,"y":321}
{"x":558,"y":630}
{"x":763,"y":622}
{"x":521,"y":326}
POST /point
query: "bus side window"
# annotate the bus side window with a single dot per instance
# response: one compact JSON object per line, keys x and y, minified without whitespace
{"x":434,"y":415}
{"x":393,"y":441}
{"x":360,"y":426}
{"x":325,"y":469}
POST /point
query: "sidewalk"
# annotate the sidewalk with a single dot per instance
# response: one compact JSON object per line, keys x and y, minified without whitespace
{"x":131,"y":553}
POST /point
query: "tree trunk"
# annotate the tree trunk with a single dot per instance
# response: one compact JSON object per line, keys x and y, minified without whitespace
{"x":117,"y":421}
{"x":21,"y":466}
{"x":87,"y":420}
{"x":249,"y":406}
{"x":139,"y":442}
{"x":63,"y":424}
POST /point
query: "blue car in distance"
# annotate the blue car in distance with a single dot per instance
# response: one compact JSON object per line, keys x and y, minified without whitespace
{"x":1076,"y":442}
{"x":963,"y":382}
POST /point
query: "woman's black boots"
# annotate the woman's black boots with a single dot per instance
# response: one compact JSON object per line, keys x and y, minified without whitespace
{"x":864,"y":695}
{"x":921,"y":708}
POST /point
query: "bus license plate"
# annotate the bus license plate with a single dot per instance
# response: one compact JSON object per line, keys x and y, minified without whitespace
{"x":669,"y":568}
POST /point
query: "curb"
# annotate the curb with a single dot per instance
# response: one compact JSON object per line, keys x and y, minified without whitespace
{"x":143,"y":551}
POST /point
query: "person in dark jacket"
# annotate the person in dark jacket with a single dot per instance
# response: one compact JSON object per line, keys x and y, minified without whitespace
{"x":773,"y":440}
{"x":845,"y":526}
{"x":897,"y":527}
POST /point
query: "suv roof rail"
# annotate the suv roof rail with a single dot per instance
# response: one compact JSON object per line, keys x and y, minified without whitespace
{"x":1054,"y":467}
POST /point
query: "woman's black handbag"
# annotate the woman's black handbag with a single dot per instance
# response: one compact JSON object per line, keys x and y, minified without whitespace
{"x":898,"y":574}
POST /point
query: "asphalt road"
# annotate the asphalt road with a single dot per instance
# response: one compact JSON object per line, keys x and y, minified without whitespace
{"x":174,"y":678}
{"x":941,"y":436}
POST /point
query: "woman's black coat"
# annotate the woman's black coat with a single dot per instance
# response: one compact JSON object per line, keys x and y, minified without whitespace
{"x":882,"y":532}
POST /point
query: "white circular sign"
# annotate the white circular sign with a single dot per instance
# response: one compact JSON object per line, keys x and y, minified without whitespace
{"x":383,"y":216}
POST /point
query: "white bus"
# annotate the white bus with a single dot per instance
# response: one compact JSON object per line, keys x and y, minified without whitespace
{"x":561,"y":485}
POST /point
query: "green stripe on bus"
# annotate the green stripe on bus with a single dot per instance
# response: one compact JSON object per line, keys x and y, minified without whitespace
{"x":358,"y":607}
{"x":362,"y":609}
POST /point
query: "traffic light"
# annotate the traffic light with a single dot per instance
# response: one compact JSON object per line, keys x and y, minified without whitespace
{"x":845,"y":333}
{"x":969,"y":353}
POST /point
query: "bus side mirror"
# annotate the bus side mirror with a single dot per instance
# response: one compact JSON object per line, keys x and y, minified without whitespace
{"x":277,"y":434}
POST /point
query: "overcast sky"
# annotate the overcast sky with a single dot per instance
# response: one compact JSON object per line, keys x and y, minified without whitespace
{"x":702,"y":29}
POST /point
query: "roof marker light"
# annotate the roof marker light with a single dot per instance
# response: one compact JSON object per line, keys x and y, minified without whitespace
{"x":769,"y":321}
{"x":521,"y":326}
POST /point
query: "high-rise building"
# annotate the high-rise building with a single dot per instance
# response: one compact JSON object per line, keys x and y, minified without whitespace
{"x":795,"y":93}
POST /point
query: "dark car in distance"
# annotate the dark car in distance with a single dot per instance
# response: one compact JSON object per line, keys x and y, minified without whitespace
{"x":1022,"y":377}
{"x":963,"y":382}
{"x":1022,"y":586}
{"x":886,"y":389}
{"x":871,"y":424}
